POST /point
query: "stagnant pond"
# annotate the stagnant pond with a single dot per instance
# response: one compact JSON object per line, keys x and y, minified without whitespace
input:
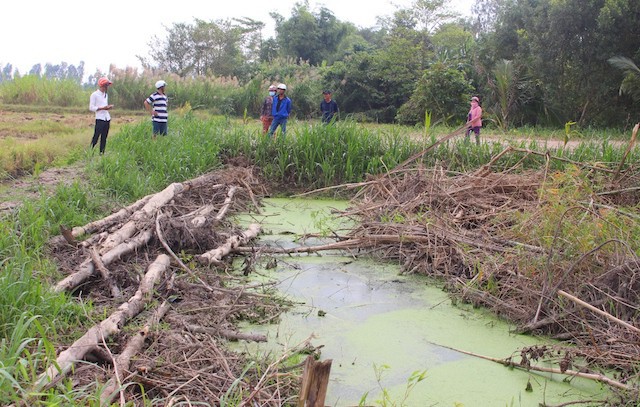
{"x":379,"y":327}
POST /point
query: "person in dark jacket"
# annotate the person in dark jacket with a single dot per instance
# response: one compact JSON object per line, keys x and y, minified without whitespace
{"x":328,"y":107}
{"x":281,"y":109}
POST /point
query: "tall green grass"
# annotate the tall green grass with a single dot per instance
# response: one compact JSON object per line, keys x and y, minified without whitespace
{"x":310,"y":155}
{"x":32,"y":316}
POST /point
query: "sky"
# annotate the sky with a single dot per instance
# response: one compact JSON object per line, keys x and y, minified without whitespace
{"x":116,"y":31}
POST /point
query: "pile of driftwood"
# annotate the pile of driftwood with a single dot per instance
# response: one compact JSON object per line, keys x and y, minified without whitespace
{"x":156,"y":269}
{"x":460,"y":227}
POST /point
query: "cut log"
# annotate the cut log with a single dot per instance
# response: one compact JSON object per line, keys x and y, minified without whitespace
{"x":101,"y":224}
{"x":215,"y":256}
{"x":123,"y":360}
{"x":106,"y":328}
{"x":87,"y":268}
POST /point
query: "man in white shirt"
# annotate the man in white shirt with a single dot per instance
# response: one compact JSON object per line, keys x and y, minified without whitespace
{"x":99,"y":103}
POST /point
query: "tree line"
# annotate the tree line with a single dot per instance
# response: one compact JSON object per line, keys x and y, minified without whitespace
{"x":531,"y":62}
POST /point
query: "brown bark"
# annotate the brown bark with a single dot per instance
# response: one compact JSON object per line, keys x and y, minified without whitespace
{"x":315,"y":381}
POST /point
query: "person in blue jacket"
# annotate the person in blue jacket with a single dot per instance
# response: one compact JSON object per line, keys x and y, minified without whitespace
{"x":281,"y":109}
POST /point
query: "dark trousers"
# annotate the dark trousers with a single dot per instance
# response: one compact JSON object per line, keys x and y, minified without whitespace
{"x":101,"y":131}
{"x":475,"y":130}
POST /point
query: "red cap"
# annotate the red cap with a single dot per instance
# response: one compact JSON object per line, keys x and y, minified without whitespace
{"x":104,"y":82}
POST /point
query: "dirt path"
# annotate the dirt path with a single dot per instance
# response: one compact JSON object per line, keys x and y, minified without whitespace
{"x":14,"y":191}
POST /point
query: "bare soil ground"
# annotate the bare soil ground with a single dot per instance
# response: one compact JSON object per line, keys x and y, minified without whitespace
{"x":12,"y":192}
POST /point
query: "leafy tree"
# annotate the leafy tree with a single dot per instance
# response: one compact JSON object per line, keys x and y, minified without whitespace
{"x":485,"y":15}
{"x":218,"y":48}
{"x":175,"y":53}
{"x":36,"y":70}
{"x":312,"y":37}
{"x":443,"y":91}
{"x":452,"y":42}
{"x":565,"y":45}
{"x":6,"y":73}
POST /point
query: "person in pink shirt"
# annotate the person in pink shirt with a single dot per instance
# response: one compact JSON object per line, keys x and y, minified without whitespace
{"x":474,"y":120}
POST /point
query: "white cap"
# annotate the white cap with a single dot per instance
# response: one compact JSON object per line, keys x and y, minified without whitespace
{"x":282,"y":86}
{"x":160,"y":84}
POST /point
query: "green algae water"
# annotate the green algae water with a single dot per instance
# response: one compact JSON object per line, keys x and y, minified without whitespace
{"x":381,"y":329}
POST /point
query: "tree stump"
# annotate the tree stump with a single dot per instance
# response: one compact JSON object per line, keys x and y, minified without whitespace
{"x":315,"y":380}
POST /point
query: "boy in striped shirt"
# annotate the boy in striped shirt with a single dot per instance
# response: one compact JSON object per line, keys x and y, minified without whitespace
{"x":156,"y":105}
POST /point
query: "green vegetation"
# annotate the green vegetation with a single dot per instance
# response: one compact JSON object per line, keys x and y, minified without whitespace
{"x":309,"y":156}
{"x":531,"y":64}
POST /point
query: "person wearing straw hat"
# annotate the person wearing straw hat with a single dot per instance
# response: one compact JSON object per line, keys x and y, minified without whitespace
{"x":99,"y":103}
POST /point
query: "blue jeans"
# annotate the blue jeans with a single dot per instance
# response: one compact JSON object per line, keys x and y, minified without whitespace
{"x":159,"y":128}
{"x":278,"y":121}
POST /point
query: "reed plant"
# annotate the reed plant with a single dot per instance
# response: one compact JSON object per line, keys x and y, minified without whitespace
{"x":33,"y":90}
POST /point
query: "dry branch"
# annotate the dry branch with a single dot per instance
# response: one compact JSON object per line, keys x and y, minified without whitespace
{"x":215,"y":256}
{"x":509,"y":363}
{"x":96,"y":334}
{"x":106,"y":276}
{"x":123,"y":360}
{"x":598,"y":311}
{"x":87,"y":268}
{"x":226,"y":333}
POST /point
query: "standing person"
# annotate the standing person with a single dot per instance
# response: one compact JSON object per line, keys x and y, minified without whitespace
{"x":266,"y":116}
{"x":99,"y":103}
{"x":328,"y":107}
{"x":474,"y":119}
{"x":156,"y":105}
{"x":280,"y":110}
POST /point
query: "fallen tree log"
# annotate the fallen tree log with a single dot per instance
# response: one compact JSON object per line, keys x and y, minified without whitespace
{"x":215,"y":256}
{"x":106,"y":328}
{"x":123,"y":360}
{"x":100,"y":224}
{"x":225,"y":333}
{"x":87,"y":268}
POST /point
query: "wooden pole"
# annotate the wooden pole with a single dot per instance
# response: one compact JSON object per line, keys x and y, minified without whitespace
{"x":315,"y":380}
